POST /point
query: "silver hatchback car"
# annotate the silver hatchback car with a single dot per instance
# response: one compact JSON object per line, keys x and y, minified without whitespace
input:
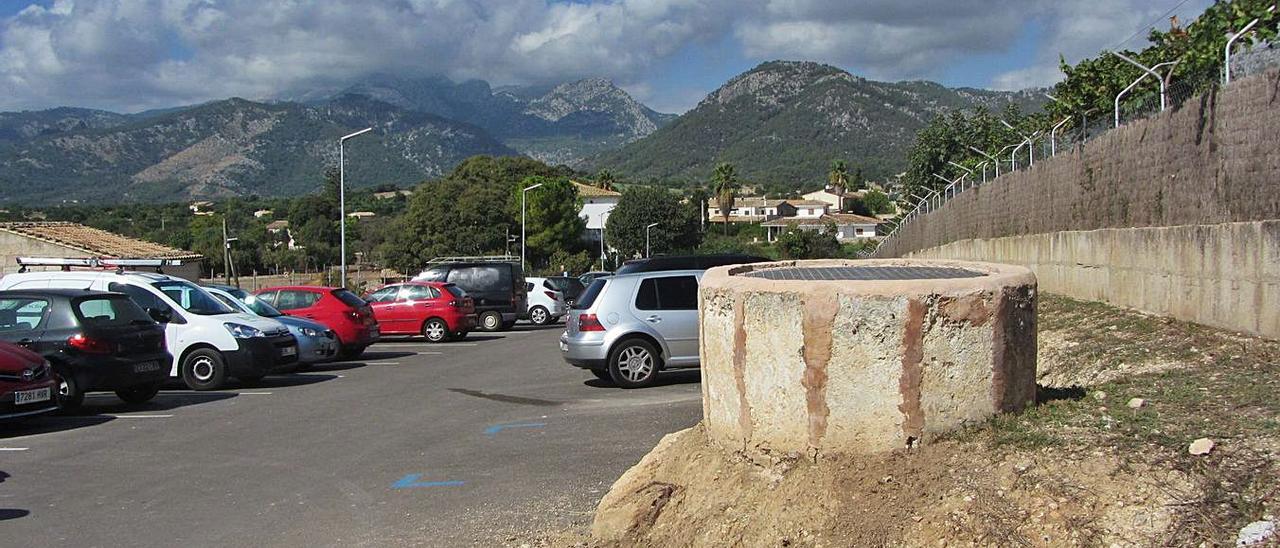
{"x":627,"y":328}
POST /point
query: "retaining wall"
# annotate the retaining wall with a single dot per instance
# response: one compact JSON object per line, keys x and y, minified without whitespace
{"x":1086,"y":221}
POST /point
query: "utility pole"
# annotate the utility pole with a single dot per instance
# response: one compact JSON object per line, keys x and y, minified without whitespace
{"x":226,"y":252}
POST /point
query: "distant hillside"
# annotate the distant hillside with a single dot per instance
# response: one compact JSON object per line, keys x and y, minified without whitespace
{"x":223,"y":148}
{"x":558,"y":124}
{"x":785,"y":121}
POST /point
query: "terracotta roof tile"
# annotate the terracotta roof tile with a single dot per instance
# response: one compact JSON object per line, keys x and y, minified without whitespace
{"x":588,"y":191}
{"x":96,"y":242}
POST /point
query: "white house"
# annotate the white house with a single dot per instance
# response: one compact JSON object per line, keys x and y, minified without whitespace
{"x":597,"y":204}
{"x":848,"y":226}
{"x":809,"y":209}
{"x":751,"y":210}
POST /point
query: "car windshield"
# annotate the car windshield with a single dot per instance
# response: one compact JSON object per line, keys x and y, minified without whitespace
{"x":588,"y":297}
{"x":260,"y":307}
{"x":193,"y":299}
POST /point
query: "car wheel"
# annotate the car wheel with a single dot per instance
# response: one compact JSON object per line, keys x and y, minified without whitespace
{"x":351,"y":352}
{"x":634,"y":363}
{"x":490,"y":321}
{"x":203,"y":369}
{"x":70,"y":396}
{"x":539,"y":315}
{"x":435,"y":330}
{"x":141,"y":393}
{"x":602,"y":374}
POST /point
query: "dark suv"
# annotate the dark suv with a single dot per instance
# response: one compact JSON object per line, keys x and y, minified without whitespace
{"x":95,"y":340}
{"x":497,"y":288}
{"x":687,"y":262}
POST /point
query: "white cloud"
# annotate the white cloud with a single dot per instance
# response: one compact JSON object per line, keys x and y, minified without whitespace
{"x":135,"y":54}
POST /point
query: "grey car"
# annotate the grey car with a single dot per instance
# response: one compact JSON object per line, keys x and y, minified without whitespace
{"x":628,"y":328}
{"x":316,"y":342}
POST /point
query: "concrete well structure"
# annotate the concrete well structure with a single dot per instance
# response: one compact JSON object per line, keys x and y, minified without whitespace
{"x":862,"y":356}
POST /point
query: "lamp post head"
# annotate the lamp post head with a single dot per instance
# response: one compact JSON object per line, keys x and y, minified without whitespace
{"x":651,"y":225}
{"x":527,"y":189}
{"x":361,"y":132}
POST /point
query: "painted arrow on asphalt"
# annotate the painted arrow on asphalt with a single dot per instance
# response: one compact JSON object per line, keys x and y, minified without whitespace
{"x":411,"y":480}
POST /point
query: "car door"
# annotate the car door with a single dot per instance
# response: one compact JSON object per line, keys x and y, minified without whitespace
{"x":22,"y":320}
{"x":384,"y":304}
{"x":297,"y":302}
{"x":669,"y":304}
{"x":417,"y":303}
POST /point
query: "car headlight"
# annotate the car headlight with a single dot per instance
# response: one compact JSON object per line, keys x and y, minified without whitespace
{"x":241,"y":331}
{"x":308,"y":332}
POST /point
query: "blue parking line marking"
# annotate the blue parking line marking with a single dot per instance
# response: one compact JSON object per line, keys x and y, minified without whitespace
{"x":500,"y":427}
{"x":411,"y":480}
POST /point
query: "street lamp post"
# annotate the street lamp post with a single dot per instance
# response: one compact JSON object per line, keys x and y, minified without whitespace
{"x":646,"y":238}
{"x":342,"y":199}
{"x":524,"y":198}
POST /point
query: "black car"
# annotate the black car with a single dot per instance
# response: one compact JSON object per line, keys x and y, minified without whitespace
{"x":497,"y":288}
{"x":95,"y":340}
{"x":569,"y":286}
{"x":687,"y":262}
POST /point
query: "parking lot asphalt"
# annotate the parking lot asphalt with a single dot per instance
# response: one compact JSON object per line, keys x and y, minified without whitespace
{"x":453,"y":444}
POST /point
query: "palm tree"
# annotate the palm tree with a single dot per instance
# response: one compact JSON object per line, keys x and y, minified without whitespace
{"x":838,"y":177}
{"x":724,"y":183}
{"x":605,"y":180}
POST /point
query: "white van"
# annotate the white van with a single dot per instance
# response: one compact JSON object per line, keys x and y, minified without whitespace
{"x":209,"y":341}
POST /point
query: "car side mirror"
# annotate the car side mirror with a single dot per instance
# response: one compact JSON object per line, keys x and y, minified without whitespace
{"x":160,"y":315}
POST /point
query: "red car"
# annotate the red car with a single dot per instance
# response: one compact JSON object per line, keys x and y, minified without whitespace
{"x":350,"y":318}
{"x":27,"y":385}
{"x":436,"y":310}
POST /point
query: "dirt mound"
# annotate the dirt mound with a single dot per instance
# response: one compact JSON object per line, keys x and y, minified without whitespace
{"x":686,"y":492}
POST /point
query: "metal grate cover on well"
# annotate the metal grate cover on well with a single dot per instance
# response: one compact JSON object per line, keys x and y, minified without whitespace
{"x":867,"y":273}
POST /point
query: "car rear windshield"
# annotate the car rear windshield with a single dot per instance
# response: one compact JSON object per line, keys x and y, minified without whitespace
{"x":455,"y":291}
{"x":349,"y":298}
{"x":588,"y":297}
{"x":109,"y":311}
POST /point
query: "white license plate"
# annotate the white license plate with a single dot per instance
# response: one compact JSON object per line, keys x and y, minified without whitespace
{"x":31,"y":396}
{"x":289,"y":351}
{"x":146,"y":367}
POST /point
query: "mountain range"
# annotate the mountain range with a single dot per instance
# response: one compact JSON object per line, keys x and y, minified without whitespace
{"x":780,"y":121}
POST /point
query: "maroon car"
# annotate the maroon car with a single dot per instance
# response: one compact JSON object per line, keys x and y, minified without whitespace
{"x":27,"y":385}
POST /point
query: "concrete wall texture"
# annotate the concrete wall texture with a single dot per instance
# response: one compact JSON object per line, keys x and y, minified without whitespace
{"x":1208,"y":172}
{"x":857,"y":367}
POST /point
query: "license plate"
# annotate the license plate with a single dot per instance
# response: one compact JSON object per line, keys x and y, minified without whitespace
{"x":146,"y":367}
{"x":31,"y":396}
{"x":289,"y":351}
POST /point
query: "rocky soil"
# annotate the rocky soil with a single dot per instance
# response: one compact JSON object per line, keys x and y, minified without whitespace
{"x":1147,"y":432}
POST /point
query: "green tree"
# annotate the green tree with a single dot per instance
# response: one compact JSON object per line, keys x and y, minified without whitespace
{"x":877,"y":203}
{"x":638,"y":207}
{"x":809,"y":244}
{"x":838,"y":177}
{"x":471,"y":221}
{"x":858,"y":182}
{"x":552,"y":222}
{"x":724,"y":186}
{"x":605,"y":180}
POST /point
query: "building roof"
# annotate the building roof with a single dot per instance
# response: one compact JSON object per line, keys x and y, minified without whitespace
{"x":589,"y":191}
{"x":95,"y":242}
{"x":839,"y":219}
{"x":278,"y":225}
{"x":807,"y":203}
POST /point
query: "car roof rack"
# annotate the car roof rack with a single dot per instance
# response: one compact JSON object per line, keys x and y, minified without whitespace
{"x":476,"y":259}
{"x":66,"y":263}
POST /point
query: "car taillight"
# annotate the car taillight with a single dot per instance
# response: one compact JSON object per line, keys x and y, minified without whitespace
{"x":550,"y":295}
{"x":89,"y":345}
{"x":589,"y":322}
{"x":455,"y":303}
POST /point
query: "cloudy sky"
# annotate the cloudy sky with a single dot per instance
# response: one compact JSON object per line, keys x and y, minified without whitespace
{"x":129,"y":55}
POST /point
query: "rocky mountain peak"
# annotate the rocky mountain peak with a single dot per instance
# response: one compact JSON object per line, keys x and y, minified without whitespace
{"x":775,"y":82}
